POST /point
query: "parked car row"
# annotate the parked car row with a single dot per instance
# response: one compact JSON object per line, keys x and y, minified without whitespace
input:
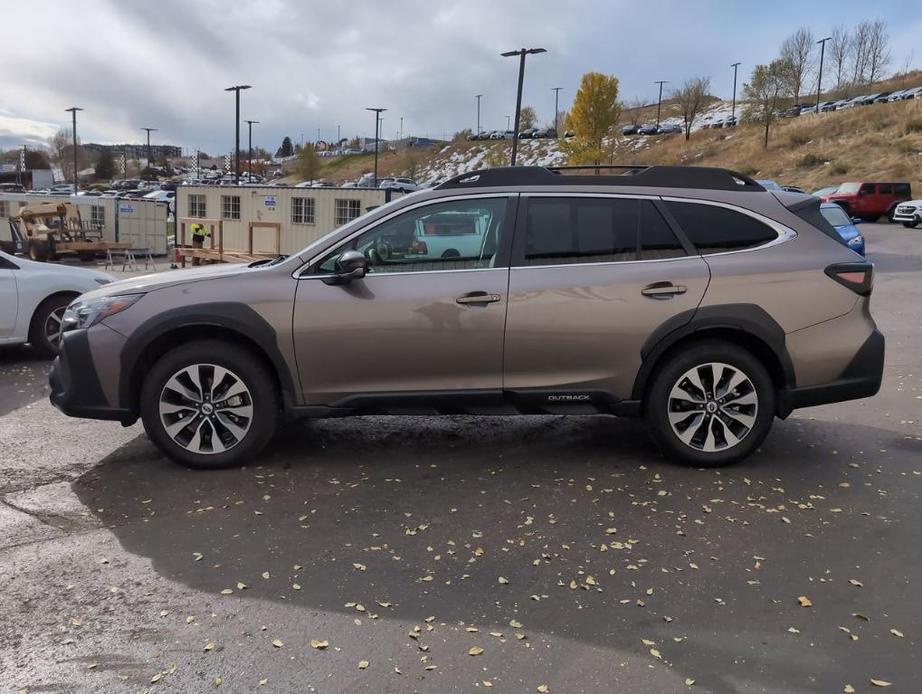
{"x":862,"y":100}
{"x":651,"y":129}
{"x":527,"y":134}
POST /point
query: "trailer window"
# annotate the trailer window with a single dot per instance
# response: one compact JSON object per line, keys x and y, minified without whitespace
{"x":347,"y":210}
{"x":197,"y":207}
{"x":230,"y":207}
{"x":302,"y":210}
{"x":4,"y":208}
{"x":98,"y":216}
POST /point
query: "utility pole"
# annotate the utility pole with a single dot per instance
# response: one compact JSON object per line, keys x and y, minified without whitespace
{"x":250,"y":149}
{"x":73,"y":111}
{"x":339,"y":136}
{"x":401,"y":130}
{"x":522,"y":52}
{"x":735,"y":67}
{"x":149,"y":131}
{"x":819,"y":77}
{"x":237,"y":89}
{"x":478,"y":97}
{"x":377,"y":112}
{"x":659,"y":103}
{"x":556,"y":91}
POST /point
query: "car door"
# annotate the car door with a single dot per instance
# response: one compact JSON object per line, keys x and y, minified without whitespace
{"x":9,"y":298}
{"x":592,"y":277}
{"x":418,"y":331}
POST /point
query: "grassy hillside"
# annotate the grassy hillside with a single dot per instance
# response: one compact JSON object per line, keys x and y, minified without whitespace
{"x":873,"y":142}
{"x":881,"y":142}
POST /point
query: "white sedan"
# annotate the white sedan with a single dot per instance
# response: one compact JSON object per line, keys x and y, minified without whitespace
{"x":33,"y":297}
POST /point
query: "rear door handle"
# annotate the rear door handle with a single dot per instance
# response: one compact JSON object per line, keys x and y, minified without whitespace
{"x":478,"y":298}
{"x":663,"y":290}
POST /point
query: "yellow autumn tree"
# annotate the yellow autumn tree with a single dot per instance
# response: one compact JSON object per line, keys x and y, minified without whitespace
{"x":594,"y":113}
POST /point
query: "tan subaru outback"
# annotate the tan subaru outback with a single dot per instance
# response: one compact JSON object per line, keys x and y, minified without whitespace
{"x":691,"y":297}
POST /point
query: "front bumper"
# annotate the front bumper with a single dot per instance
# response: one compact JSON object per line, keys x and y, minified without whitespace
{"x":75,"y":386}
{"x":861,"y":379}
{"x":906,"y":216}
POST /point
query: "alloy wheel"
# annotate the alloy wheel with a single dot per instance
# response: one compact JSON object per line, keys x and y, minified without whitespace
{"x":712,"y":407}
{"x":54,"y":327}
{"x":206,"y":408}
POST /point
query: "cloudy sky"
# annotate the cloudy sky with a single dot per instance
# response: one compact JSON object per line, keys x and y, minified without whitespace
{"x":316,"y":64}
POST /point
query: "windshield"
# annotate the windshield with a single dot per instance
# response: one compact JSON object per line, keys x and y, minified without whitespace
{"x":850,"y":188}
{"x":835,"y":216}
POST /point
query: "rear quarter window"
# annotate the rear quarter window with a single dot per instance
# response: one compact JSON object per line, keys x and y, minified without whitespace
{"x":713,"y":229}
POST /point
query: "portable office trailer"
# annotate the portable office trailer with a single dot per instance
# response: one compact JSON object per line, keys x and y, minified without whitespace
{"x":291,"y":217}
{"x":142,"y":223}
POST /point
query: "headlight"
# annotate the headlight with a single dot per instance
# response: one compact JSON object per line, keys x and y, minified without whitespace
{"x":86,"y":313}
{"x":856,"y":242}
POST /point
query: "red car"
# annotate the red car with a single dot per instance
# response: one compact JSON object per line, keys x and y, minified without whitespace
{"x":870,"y":200}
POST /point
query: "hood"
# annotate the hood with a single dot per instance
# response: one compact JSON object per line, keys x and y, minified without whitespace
{"x":167,"y":278}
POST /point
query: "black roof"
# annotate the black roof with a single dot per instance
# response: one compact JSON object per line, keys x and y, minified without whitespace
{"x":700,"y":177}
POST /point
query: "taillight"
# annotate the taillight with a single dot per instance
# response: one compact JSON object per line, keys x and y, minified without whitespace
{"x":420,"y":248}
{"x":857,"y":276}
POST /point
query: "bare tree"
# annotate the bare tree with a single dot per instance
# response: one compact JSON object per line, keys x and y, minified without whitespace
{"x":797,"y":52}
{"x":690,"y":99}
{"x":878,"y":51}
{"x":860,"y":45}
{"x":839,"y":51}
{"x":633,"y":109}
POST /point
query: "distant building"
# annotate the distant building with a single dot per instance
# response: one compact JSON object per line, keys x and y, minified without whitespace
{"x":137,"y":151}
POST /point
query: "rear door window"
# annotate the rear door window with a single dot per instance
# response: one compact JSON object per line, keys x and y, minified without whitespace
{"x":885,"y":188}
{"x":715,"y":229}
{"x":562,"y":230}
{"x":657,"y":239}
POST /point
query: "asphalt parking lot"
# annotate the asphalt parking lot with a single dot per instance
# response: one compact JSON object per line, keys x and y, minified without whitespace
{"x":558,"y":554}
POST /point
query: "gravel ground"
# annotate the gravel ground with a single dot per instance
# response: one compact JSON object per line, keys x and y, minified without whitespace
{"x":468,"y":554}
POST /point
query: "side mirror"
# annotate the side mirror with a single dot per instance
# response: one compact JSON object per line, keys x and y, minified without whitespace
{"x":857,"y":220}
{"x":351,"y":265}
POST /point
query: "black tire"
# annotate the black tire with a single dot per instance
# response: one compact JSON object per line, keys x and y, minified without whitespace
{"x":45,"y":320}
{"x":262,"y":395}
{"x":911,"y":225}
{"x":890,"y":213}
{"x":657,"y":404}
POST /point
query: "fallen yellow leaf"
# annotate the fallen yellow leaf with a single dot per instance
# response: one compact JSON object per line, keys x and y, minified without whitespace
{"x":805,"y":601}
{"x":319,"y":645}
{"x":880,"y":683}
{"x":475,"y":650}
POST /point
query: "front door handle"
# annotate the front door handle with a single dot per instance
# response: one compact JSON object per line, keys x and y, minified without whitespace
{"x":663,"y":290}
{"x":478,"y":298}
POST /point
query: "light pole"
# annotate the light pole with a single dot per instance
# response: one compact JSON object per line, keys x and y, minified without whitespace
{"x":556,"y":91}
{"x":73,"y":111}
{"x":478,"y":97}
{"x":522,"y":52}
{"x":401,"y":130}
{"x":250,"y":148}
{"x":339,"y":136}
{"x":149,"y":131}
{"x":819,"y":77}
{"x":735,"y":67}
{"x":237,"y":89}
{"x":377,"y":112}
{"x":508,"y":118}
{"x":659,"y":103}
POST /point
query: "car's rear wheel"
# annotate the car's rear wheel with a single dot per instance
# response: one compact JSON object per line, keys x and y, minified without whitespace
{"x":210,"y":405}
{"x":711,"y":404}
{"x":47,"y":325}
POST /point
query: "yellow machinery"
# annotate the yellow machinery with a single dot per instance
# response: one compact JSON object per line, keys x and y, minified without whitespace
{"x":46,"y":230}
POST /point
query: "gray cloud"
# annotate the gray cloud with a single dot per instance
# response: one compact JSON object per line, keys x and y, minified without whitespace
{"x":318,"y":64}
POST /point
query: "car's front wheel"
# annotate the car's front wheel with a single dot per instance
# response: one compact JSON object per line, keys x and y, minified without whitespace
{"x":711,"y":404}
{"x":210,"y":404}
{"x":911,"y":225}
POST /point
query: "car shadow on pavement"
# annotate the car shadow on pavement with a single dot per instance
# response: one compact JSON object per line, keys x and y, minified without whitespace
{"x":574,"y":527}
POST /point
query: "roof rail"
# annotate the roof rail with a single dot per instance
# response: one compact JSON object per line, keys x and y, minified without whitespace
{"x":700,"y":177}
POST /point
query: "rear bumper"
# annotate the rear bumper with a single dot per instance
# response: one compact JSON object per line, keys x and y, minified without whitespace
{"x":75,"y":387}
{"x":861,"y":379}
